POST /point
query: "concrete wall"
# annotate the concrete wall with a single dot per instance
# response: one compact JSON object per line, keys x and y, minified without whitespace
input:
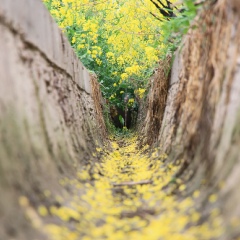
{"x":47,"y":116}
{"x":202,"y":116}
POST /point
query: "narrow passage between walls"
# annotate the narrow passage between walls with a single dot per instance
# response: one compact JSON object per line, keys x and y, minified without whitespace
{"x":129,"y":194}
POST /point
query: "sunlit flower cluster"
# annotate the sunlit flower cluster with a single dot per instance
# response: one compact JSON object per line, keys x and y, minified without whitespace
{"x":118,"y":40}
{"x":140,"y":92}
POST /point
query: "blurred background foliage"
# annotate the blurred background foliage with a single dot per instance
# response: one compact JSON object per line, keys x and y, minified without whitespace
{"x":121,"y":41}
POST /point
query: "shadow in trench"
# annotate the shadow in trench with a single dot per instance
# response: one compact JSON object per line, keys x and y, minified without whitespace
{"x":123,"y":117}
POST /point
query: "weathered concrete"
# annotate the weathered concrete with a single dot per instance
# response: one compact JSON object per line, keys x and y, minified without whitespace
{"x":156,"y":102}
{"x":48,"y":124}
{"x":165,"y":136}
{"x":201,"y":120}
{"x":33,"y":22}
{"x":202,"y":116}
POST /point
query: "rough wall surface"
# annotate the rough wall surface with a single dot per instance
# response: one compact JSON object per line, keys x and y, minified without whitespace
{"x":202,"y":116}
{"x":156,"y":102}
{"x":48,"y":124}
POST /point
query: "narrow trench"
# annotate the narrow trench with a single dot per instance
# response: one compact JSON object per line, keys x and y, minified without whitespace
{"x":122,"y":197}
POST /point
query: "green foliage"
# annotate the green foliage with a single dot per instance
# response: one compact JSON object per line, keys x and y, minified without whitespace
{"x":123,"y":132}
{"x":174,"y":29}
{"x":107,"y":119}
{"x":121,"y":119}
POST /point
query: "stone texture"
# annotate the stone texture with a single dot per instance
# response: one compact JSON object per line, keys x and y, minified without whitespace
{"x":48,"y":126}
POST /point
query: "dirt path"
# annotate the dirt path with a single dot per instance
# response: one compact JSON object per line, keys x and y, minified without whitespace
{"x":131,"y":194}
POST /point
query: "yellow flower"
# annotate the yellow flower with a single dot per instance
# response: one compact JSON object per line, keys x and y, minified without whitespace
{"x":80,"y":46}
{"x":42,"y":210}
{"x":99,"y":62}
{"x":110,"y":55}
{"x":73,"y":39}
{"x":212,"y":198}
{"x":131,"y":100}
{"x":140,"y":92}
{"x":124,"y":76}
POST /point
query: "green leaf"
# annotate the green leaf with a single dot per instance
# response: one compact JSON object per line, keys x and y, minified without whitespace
{"x":121,"y":119}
